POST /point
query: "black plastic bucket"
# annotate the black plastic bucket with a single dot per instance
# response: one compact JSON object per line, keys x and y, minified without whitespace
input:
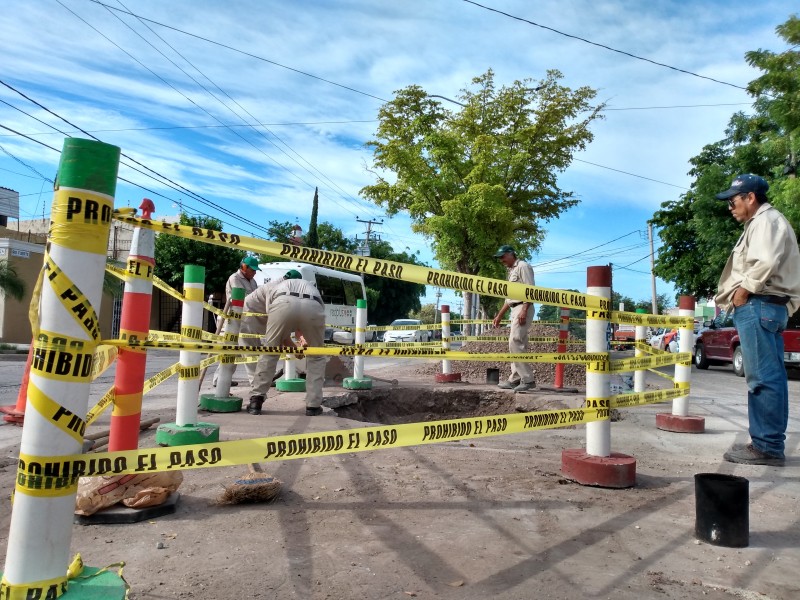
{"x":722,"y":509}
{"x":493,"y":376}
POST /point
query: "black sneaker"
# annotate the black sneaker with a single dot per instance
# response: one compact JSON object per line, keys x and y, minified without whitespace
{"x":254,"y":408}
{"x":750,"y":455}
{"x":314,"y":411}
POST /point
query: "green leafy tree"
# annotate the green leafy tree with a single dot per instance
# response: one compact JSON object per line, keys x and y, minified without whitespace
{"x":312,"y":238}
{"x":697,"y":230}
{"x":484,"y":175}
{"x":11,"y":284}
{"x":427,"y":313}
{"x":390,"y":299}
{"x":332,"y":238}
{"x":172,"y":253}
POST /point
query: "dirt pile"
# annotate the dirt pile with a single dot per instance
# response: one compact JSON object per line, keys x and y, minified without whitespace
{"x":475,"y":371}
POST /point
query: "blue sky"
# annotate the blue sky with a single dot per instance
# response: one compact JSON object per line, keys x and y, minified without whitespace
{"x":179,"y":106}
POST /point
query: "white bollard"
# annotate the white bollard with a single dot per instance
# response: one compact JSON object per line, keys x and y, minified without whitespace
{"x":683,"y":373}
{"x":361,"y":338}
{"x":446,"y":368}
{"x":640,"y":376}
{"x":289,"y":368}
{"x":42,"y":515}
{"x":358,"y":381}
{"x":191,"y":327}
{"x":230,"y":331}
{"x":598,"y":385}
{"x":447,"y":375}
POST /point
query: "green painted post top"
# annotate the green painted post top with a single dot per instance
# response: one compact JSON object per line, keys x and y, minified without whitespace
{"x":641,"y":311}
{"x":237,"y":293}
{"x":88,"y":165}
{"x":361,"y":304}
{"x":194,"y":274}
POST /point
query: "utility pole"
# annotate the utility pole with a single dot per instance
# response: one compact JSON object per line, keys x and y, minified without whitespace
{"x":368,"y":233}
{"x":652,"y":267}
{"x":438,"y":297}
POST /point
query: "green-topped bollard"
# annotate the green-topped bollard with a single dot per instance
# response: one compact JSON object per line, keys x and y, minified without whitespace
{"x":358,"y":381}
{"x":187,"y":430}
{"x":221,"y":400}
{"x":40,"y":532}
{"x":290,"y":382}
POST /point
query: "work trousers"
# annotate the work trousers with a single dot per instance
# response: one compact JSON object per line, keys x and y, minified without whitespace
{"x":288,"y":314}
{"x":760,"y":325}
{"x":521,"y":372}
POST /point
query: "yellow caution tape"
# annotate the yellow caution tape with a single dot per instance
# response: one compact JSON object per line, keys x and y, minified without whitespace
{"x":649,"y":362}
{"x":191,"y":332}
{"x":62,"y":357}
{"x":382,"y":268}
{"x":641,"y":398}
{"x":47,"y":588}
{"x":72,"y":298}
{"x":104,"y":357}
{"x":597,"y":360}
{"x":629,"y":318}
{"x":139,"y":269}
{"x":102,"y":404}
{"x":661,"y":374}
{"x":67,"y":421}
{"x":167,"y":336}
{"x":38,"y":474}
{"x":76,"y":215}
{"x":159,"y":378}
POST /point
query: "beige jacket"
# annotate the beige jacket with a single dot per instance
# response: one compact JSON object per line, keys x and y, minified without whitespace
{"x":520,"y":272}
{"x":765,"y":260}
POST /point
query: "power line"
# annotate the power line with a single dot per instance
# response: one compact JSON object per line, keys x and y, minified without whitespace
{"x":174,"y":127}
{"x":680,"y":187}
{"x":231,"y":48}
{"x":166,"y":181}
{"x":575,"y":37}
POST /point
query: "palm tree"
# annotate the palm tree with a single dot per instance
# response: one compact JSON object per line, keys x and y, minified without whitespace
{"x":11,"y":284}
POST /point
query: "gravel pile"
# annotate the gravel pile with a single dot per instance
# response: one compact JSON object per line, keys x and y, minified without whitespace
{"x":475,"y":371}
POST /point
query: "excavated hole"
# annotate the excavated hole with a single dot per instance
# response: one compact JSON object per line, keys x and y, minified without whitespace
{"x":414,"y":405}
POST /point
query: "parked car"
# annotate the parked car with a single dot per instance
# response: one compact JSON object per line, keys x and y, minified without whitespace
{"x":656,"y":340}
{"x":406,"y":335}
{"x":718,"y":344}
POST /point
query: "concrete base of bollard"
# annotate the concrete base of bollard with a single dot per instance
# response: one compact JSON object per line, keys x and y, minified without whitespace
{"x":615,"y":471}
{"x":12,"y":415}
{"x":211,"y":403}
{"x":680,"y":424}
{"x":291,"y":385}
{"x":171,"y":434}
{"x":119,"y":514}
{"x":91,"y":585}
{"x":448,"y":378}
{"x":357,"y":383}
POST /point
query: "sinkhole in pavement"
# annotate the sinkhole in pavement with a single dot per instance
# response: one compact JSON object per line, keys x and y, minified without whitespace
{"x":394,"y":406}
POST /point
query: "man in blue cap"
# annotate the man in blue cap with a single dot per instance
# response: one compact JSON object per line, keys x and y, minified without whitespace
{"x":522,"y":378}
{"x":761,"y":285}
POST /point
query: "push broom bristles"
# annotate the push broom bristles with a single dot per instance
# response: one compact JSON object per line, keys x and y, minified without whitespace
{"x":255,"y":486}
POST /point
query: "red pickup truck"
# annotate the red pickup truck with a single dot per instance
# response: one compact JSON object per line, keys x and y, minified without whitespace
{"x":718,"y":343}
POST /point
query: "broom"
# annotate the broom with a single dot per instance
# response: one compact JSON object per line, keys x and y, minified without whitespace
{"x":255,"y":486}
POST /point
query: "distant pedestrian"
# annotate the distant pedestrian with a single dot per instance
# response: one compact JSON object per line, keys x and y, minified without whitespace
{"x":522,"y":377}
{"x":294,"y":305}
{"x":761,"y":285}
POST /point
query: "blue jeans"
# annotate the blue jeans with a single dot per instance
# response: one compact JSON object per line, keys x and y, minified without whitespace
{"x":759,"y":325}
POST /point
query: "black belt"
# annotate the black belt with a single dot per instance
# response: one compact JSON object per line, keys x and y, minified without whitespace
{"x":515,"y":304}
{"x":782,"y":300}
{"x":303,"y":296}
